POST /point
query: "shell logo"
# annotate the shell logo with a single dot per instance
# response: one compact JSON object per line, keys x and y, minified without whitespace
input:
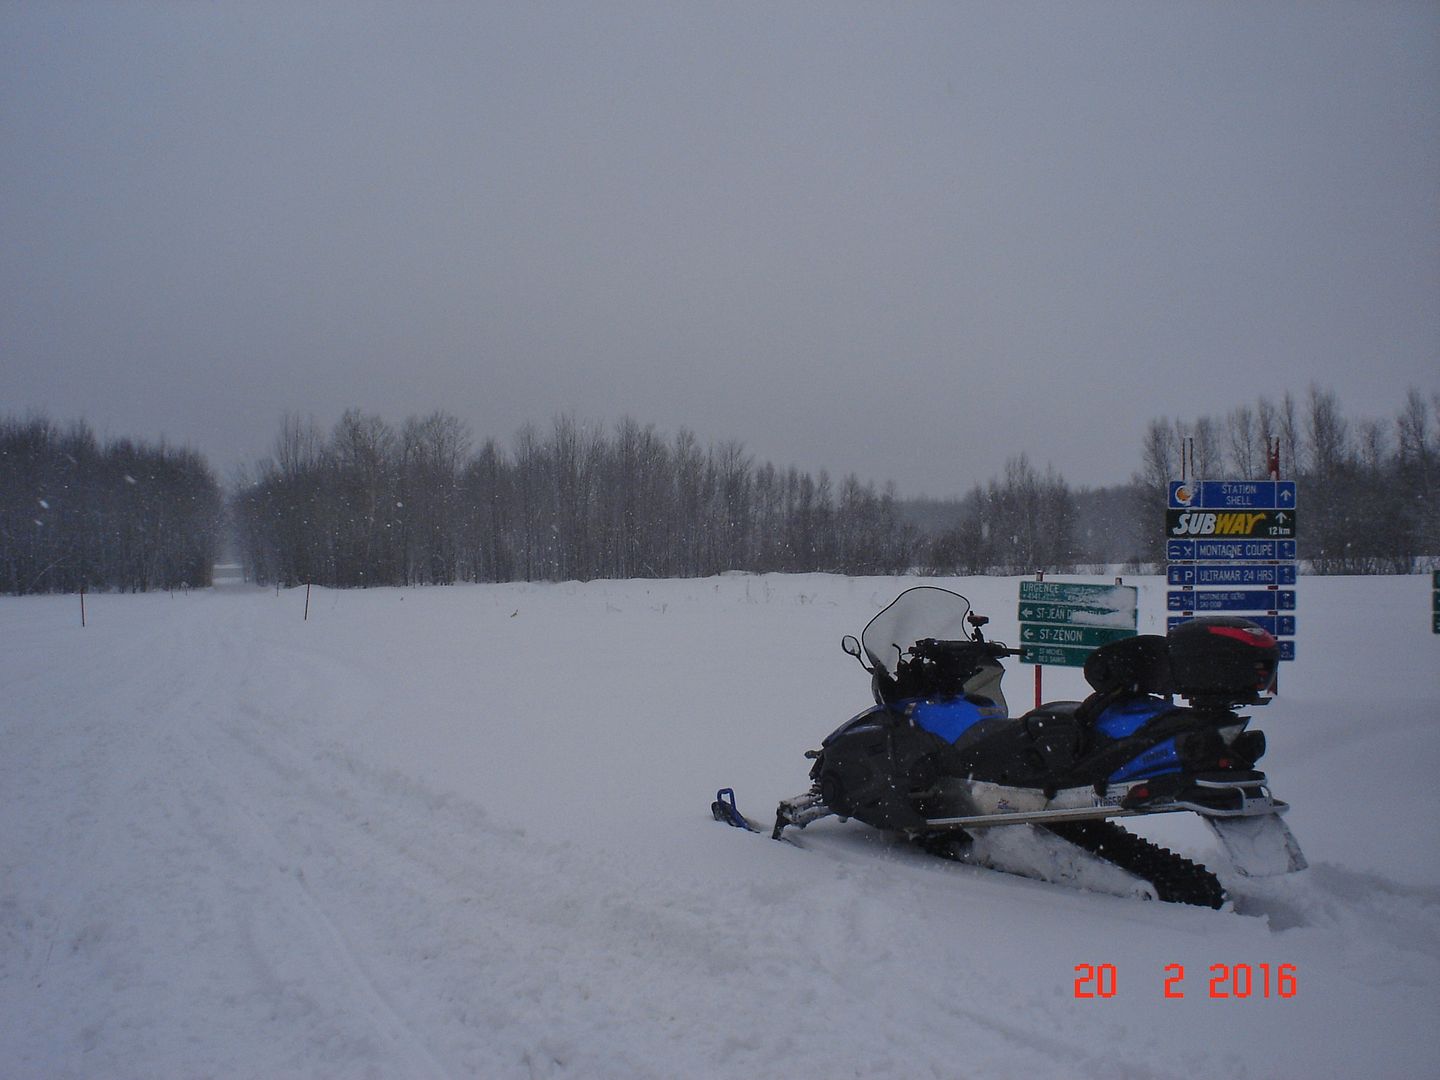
{"x":1184,"y":494}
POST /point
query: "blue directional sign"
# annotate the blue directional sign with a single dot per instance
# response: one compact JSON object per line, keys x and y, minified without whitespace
{"x":1276,"y":625}
{"x":1279,"y":625}
{"x":1232,"y":574}
{"x":1231,"y":600}
{"x":1230,"y":546}
{"x":1232,"y":494}
{"x":1286,"y":644}
{"x":1233,"y":550}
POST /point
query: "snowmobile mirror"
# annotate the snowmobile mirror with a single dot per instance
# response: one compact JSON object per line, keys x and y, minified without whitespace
{"x":851,"y":644}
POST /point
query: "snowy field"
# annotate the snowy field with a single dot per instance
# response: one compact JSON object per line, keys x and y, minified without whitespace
{"x":465,"y":832}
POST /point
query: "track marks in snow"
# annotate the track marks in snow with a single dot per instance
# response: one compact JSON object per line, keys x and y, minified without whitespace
{"x":227,"y":861}
{"x":1333,"y":898}
{"x":487,"y":928}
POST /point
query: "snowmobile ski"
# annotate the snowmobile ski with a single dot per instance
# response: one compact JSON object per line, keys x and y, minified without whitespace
{"x":724,"y":809}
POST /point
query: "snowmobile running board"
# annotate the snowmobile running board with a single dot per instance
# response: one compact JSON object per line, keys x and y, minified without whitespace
{"x":1250,"y":807}
{"x":1043,"y":817}
{"x":803,"y":809}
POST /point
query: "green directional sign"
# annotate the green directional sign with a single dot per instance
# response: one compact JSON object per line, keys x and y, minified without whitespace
{"x":1056,"y":655}
{"x":1076,"y":614}
{"x":1061,"y":622}
{"x":1106,"y":597}
{"x":1089,"y":637}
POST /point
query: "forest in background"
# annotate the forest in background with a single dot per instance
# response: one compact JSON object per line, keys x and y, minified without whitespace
{"x":76,"y":514}
{"x":1367,"y":492}
{"x":368,"y":503}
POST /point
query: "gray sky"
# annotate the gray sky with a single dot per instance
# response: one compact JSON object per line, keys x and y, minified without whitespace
{"x":904,"y":240}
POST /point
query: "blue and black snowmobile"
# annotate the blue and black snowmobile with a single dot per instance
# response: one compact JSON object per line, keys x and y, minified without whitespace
{"x":940,"y":759}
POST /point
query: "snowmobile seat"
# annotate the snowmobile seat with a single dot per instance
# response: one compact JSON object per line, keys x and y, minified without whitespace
{"x":1134,"y":667}
{"x":1056,"y":734}
{"x":1137,"y":665}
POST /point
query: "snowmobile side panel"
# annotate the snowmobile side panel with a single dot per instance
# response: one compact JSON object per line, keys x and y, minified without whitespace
{"x":1157,"y":761}
{"x":953,"y":717}
{"x":1124,"y":718}
{"x":875,"y":715}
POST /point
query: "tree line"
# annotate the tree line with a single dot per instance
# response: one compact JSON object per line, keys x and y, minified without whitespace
{"x":76,"y":514}
{"x":1368,"y":494}
{"x":1019,"y":522}
{"x":370,"y":504}
{"x":1368,"y":490}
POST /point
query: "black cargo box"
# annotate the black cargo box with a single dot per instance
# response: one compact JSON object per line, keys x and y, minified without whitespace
{"x":1222,"y":657}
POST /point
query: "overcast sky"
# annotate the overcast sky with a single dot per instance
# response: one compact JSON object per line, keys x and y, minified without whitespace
{"x":904,"y":240}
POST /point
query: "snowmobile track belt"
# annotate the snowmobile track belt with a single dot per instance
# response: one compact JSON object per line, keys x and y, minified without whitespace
{"x":1176,"y":879}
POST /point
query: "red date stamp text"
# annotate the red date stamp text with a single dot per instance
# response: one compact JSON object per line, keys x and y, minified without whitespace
{"x":1239,"y":982}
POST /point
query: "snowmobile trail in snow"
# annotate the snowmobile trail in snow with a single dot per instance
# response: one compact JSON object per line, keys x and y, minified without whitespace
{"x":390,"y":841}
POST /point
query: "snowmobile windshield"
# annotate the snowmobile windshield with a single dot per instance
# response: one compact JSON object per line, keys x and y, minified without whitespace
{"x":922,"y":612}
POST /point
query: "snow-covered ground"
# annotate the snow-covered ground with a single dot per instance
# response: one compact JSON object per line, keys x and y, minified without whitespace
{"x":465,"y":832}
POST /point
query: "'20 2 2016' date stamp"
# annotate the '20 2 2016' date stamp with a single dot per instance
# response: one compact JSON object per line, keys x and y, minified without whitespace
{"x":1237,"y":982}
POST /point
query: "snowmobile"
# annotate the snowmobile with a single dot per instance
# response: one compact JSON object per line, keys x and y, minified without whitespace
{"x":940,"y":760}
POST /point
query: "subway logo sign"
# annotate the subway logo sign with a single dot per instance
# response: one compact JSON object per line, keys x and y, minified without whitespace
{"x":1236,"y":524}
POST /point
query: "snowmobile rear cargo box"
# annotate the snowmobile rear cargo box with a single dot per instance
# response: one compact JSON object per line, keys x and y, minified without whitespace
{"x":1222,"y":657}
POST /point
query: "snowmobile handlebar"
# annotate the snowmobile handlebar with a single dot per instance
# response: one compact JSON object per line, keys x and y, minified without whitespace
{"x":934,"y":647}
